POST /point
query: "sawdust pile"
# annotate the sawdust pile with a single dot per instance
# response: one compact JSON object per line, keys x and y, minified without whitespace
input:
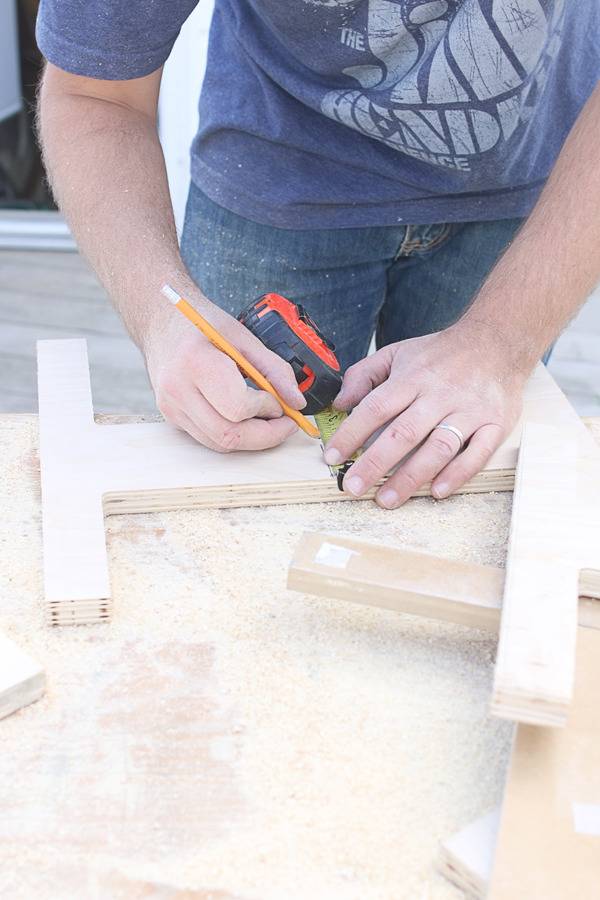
{"x":226,"y":738}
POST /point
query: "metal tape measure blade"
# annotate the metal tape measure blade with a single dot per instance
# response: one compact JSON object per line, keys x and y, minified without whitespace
{"x":328,"y":421}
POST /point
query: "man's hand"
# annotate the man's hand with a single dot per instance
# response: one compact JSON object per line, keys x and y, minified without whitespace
{"x":455,"y":377}
{"x":102,"y":151}
{"x":199,"y":389}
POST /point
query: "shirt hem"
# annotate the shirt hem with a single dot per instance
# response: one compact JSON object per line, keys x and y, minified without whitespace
{"x":484,"y":207}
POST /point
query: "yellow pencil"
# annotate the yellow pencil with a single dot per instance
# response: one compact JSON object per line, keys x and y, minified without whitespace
{"x":247,"y":368}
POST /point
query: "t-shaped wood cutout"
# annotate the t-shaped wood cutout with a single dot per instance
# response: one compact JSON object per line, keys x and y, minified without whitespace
{"x":90,"y":469}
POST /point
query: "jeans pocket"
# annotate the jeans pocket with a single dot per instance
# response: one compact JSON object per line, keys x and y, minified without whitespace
{"x":420,"y":239}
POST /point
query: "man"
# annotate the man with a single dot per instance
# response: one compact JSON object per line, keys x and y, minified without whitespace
{"x":369,"y":158}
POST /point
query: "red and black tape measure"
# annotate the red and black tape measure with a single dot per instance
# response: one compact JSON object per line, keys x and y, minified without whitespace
{"x":287,"y":329}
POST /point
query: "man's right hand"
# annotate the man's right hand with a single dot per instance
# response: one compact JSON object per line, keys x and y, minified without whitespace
{"x":199,"y":389}
{"x":105,"y":161}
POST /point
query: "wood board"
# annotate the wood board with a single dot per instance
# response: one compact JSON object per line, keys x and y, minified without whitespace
{"x":416,"y":583}
{"x":88,"y":470}
{"x":554,"y":774}
{"x":22,"y":679}
{"x":419,"y":584}
{"x":549,"y":838}
{"x":545,"y":842}
{"x":554,"y":539}
{"x":467,"y":858}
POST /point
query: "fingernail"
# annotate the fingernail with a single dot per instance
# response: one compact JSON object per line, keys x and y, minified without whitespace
{"x":333,"y":457}
{"x":354,"y":485}
{"x":388,"y":498}
{"x":301,"y":399}
{"x":440,"y":491}
{"x":339,"y":400}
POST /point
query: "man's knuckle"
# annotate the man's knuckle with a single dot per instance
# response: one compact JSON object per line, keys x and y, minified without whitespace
{"x":373,"y":465}
{"x":352,"y":372}
{"x":443,"y":447}
{"x":482,"y":452}
{"x":283,"y":368}
{"x":229,"y":439}
{"x":234,"y":410}
{"x":403,"y":432}
{"x":166,"y":409}
{"x":411,"y":480}
{"x":169,"y":385}
{"x":377,"y":406}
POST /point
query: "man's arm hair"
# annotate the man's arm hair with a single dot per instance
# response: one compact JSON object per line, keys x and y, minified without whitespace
{"x":106,"y":169}
{"x":554,"y":261}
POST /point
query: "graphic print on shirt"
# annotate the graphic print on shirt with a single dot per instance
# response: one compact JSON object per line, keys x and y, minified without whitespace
{"x":444,"y":81}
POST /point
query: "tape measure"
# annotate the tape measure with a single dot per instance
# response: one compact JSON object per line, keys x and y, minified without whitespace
{"x":328,"y":421}
{"x":288,"y":330}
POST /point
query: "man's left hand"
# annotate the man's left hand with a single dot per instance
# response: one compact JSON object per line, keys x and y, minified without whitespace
{"x":463,"y":377}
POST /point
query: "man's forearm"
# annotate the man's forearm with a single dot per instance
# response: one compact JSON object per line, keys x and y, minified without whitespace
{"x":108,"y":175}
{"x":554,"y":262}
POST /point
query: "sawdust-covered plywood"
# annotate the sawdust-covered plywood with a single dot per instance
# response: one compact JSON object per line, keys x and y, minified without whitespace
{"x":219,"y":717}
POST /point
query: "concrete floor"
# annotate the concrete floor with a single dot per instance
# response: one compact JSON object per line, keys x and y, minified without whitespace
{"x":56,"y":295}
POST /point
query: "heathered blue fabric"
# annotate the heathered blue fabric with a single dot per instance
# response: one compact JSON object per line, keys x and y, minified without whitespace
{"x":341,"y":113}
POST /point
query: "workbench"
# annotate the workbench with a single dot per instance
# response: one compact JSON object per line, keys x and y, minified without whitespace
{"x":225,"y":738}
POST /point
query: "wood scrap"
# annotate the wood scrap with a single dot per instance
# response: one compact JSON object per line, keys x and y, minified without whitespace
{"x":417,"y":583}
{"x":546,"y":840}
{"x":466,"y":859}
{"x":553,"y":787}
{"x":546,"y":848}
{"x":555,"y":534}
{"x":266,"y":733}
{"x":420,"y":584}
{"x":22,"y":679}
{"x":89,"y":470}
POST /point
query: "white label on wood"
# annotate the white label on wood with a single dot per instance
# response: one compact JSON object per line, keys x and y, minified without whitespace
{"x":586,"y":819}
{"x":333,"y":555}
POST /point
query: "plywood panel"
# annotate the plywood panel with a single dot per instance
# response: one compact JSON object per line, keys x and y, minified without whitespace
{"x":88,"y":468}
{"x":555,"y":534}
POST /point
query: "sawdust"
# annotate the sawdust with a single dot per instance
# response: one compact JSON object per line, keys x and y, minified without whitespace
{"x":227,"y":737}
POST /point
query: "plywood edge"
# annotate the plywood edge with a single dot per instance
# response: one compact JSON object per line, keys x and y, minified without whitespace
{"x":22,"y":679}
{"x":550,"y":711}
{"x":22,"y":695}
{"x":466,"y":859}
{"x":231,"y":496}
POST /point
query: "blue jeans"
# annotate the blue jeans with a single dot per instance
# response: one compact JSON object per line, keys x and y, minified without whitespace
{"x":394,"y":282}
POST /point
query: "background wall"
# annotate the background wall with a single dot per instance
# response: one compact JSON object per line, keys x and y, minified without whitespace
{"x":178,"y":103}
{"x":10,"y":81}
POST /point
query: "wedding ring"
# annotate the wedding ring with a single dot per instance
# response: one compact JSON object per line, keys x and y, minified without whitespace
{"x":455,"y":431}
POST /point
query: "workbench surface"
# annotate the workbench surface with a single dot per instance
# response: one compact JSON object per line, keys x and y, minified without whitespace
{"x":226,"y":739}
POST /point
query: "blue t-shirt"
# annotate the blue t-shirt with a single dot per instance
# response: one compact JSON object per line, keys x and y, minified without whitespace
{"x":339,"y":113}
